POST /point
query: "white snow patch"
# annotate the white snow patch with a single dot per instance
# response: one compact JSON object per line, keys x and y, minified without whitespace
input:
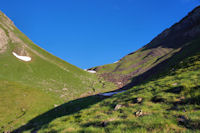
{"x":24,"y":58}
{"x":116,"y":61}
{"x":110,"y":93}
{"x":91,"y":71}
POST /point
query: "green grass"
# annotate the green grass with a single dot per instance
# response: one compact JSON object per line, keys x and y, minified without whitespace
{"x":51,"y":95}
{"x":130,"y":63}
{"x":158,"y":116}
{"x":20,"y":103}
{"x":38,"y":85}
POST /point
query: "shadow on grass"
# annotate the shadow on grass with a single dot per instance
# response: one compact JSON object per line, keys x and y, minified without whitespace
{"x":176,"y":90}
{"x":62,"y":110}
{"x":122,"y":126}
{"x":114,"y":123}
{"x":191,"y":124}
{"x":109,"y":125}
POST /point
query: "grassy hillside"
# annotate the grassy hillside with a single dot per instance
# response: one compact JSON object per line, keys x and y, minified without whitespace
{"x":169,"y":102}
{"x":29,"y":88}
{"x":163,"y":95}
{"x":48,"y":94}
{"x":171,"y":41}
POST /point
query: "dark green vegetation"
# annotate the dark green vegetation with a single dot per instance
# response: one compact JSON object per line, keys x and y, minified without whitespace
{"x":28,"y":89}
{"x":162,"y":78}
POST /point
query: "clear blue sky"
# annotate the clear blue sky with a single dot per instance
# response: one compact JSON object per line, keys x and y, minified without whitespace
{"x":89,"y":33}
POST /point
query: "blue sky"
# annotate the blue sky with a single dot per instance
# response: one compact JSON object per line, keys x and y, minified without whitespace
{"x":89,"y":33}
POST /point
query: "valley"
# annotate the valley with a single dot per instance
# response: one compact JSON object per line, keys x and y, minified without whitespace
{"x":154,"y":89}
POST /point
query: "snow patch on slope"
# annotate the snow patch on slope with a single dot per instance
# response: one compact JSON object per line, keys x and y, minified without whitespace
{"x":90,"y":71}
{"x":108,"y":94}
{"x":116,"y":62}
{"x":23,"y":58}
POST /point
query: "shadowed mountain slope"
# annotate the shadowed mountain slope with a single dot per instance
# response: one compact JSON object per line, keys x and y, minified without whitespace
{"x":157,"y":53}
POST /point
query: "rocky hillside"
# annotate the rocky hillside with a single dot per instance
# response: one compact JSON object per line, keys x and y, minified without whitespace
{"x":33,"y":81}
{"x":157,"y":55}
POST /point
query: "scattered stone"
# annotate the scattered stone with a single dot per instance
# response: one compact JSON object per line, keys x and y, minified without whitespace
{"x":23,"y":109}
{"x":119,"y":83}
{"x":174,"y":84}
{"x":139,"y":113}
{"x":6,"y":132}
{"x":137,"y":100}
{"x":61,"y":96}
{"x":55,"y":105}
{"x":64,"y":89}
{"x":89,"y":92}
{"x":182,"y":98}
{"x":111,"y":119}
{"x":117,"y":107}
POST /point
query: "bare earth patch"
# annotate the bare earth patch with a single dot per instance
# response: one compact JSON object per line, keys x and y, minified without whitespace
{"x":3,"y":40}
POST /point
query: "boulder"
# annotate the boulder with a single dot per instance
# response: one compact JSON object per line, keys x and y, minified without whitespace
{"x":117,"y":107}
{"x":139,"y":113}
{"x":137,"y":100}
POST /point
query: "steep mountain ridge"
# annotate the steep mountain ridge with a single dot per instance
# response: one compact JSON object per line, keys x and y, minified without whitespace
{"x":170,"y":42}
{"x":187,"y":29}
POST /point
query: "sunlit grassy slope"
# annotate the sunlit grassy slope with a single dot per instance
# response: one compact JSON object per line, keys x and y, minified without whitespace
{"x":170,"y":103}
{"x":28,"y":89}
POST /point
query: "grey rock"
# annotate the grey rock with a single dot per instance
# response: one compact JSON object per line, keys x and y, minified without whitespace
{"x":117,"y":107}
{"x":139,"y":113}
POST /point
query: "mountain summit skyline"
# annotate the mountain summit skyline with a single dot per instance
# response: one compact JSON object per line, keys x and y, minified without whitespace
{"x":94,"y":33}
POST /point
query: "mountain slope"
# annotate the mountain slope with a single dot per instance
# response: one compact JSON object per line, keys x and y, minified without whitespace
{"x":169,"y":103}
{"x":33,"y":81}
{"x":165,"y":99}
{"x":170,"y":42}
